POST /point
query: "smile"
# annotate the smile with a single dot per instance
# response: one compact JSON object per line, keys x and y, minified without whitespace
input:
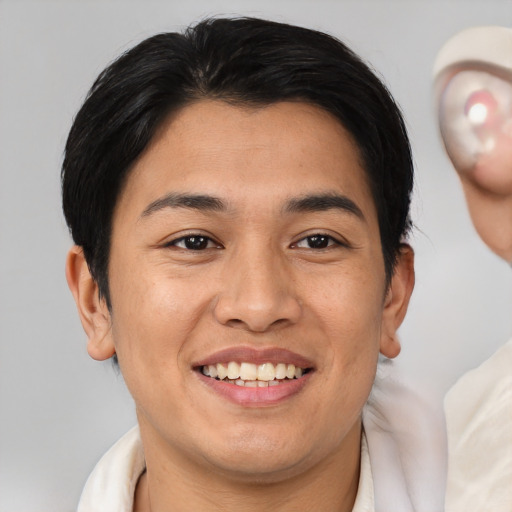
{"x":255,"y":377}
{"x":252,"y":375}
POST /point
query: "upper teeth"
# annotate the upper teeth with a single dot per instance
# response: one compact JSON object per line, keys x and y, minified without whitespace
{"x":250,"y":371}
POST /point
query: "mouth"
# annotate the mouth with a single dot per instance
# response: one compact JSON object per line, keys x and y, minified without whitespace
{"x":254,"y":377}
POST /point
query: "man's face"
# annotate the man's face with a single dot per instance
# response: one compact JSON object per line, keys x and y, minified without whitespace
{"x":243,"y":237}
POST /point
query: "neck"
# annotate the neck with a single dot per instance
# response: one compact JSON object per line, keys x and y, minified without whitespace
{"x":174,"y":478}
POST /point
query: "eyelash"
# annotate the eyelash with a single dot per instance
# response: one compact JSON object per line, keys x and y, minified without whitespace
{"x":205,"y":242}
{"x":322,"y":236}
{"x":192,"y":237}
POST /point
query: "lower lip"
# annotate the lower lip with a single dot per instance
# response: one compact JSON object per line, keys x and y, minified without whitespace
{"x":256,"y":397}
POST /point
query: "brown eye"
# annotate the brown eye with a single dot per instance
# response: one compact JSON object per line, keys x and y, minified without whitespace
{"x":318,"y":241}
{"x":475,"y":116}
{"x":194,"y":243}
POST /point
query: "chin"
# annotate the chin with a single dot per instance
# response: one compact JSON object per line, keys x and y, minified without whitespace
{"x":254,"y":457}
{"x":260,"y":470}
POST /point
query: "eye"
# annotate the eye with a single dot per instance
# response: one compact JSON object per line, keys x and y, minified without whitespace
{"x":194,"y":243}
{"x":316,"y":241}
{"x":475,"y":112}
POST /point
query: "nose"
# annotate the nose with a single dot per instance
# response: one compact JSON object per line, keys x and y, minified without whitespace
{"x":258,"y":293}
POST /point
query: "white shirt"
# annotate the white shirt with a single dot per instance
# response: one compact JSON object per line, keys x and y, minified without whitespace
{"x":479,"y":423}
{"x":111,"y":485}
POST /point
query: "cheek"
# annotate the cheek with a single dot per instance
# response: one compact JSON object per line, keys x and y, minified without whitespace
{"x":153,"y":316}
{"x":350,"y":306}
{"x":351,"y":316}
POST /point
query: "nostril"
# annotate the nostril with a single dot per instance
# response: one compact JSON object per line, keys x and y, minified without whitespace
{"x":279,"y":322}
{"x":235,"y":322}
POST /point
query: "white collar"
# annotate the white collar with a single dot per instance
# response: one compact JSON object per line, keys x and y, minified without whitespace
{"x":364,"y":500}
{"x":111,"y":485}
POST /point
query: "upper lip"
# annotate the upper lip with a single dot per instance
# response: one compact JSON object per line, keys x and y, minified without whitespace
{"x":253,"y":355}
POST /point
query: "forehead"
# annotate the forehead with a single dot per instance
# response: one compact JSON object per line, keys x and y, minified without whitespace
{"x":247,"y":154}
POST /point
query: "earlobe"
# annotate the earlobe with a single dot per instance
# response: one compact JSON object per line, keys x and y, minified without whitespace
{"x":397,"y":301}
{"x":92,"y":309}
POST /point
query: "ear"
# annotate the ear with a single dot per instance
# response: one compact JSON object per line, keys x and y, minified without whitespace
{"x":397,"y":301}
{"x":93,"y":310}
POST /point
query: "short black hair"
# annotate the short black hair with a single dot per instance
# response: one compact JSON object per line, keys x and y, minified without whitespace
{"x":243,"y":61}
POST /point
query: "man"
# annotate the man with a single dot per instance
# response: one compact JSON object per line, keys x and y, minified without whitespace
{"x":239,"y":198}
{"x":474,"y":89}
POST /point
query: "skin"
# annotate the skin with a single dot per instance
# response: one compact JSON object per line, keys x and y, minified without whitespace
{"x":259,"y":284}
{"x":488,"y":191}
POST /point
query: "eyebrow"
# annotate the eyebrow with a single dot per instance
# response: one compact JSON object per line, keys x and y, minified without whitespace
{"x":323,"y":202}
{"x":306,"y":204}
{"x":201,"y":202}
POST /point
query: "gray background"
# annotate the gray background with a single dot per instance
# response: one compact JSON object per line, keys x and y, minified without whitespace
{"x":61,"y":410}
